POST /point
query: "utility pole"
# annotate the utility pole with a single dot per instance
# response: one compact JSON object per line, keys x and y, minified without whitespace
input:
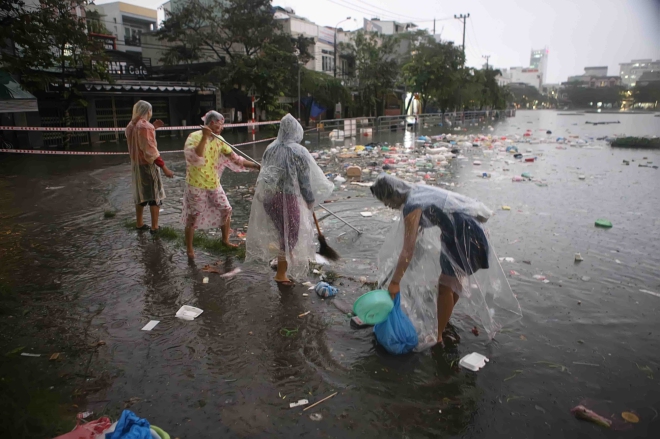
{"x":462,"y":17}
{"x":335,"y":46}
{"x":434,"y":27}
{"x":487,"y":57}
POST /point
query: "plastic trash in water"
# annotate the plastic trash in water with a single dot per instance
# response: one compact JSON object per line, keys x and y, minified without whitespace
{"x":397,"y":333}
{"x":578,"y":257}
{"x":603,"y":223}
{"x":151,"y":325}
{"x":300,"y":402}
{"x":473,"y":361}
{"x":373,"y":307}
{"x":325,"y":290}
{"x":187,"y":312}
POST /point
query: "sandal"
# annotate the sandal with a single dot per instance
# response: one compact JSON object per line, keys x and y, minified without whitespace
{"x":153,"y":232}
{"x":286,"y":283}
{"x":144,"y":227}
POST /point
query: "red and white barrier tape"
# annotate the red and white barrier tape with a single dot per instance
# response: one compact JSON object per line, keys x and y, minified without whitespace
{"x":113,"y":129}
{"x":46,"y":152}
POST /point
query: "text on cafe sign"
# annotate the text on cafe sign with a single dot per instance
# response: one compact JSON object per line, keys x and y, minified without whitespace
{"x":122,"y":68}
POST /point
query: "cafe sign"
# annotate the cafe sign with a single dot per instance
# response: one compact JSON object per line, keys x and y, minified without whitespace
{"x":124,"y":66}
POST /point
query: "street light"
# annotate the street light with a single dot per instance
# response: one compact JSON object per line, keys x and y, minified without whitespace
{"x":335,"y":57}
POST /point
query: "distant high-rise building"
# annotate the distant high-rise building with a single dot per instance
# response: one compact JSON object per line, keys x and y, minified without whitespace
{"x":539,"y":60}
{"x":631,"y":71}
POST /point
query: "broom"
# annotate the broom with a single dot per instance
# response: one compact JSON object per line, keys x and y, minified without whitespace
{"x":326,"y":251}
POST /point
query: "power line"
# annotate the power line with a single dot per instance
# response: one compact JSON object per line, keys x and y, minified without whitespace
{"x":364,"y":10}
{"x":400,"y":15}
{"x":474,"y":34}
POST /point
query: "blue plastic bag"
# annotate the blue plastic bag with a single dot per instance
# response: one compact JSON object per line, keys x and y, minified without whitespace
{"x":396,"y":334}
{"x":130,"y":426}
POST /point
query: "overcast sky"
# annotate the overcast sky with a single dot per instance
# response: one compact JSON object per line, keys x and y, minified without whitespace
{"x":578,"y":33}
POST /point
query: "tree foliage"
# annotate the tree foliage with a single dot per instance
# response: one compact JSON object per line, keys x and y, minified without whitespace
{"x":432,"y":70}
{"x":377,"y":68}
{"x":585,"y":97}
{"x":324,"y":89}
{"x":49,"y":48}
{"x":647,"y":94}
{"x":241,"y":34}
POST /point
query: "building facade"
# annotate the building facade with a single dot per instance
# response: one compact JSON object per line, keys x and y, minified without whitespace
{"x":630,"y":72}
{"x":525,"y":75}
{"x":594,"y":77}
{"x":539,"y":60}
{"x":127,"y":23}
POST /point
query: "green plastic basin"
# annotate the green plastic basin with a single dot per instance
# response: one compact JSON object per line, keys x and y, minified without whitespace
{"x":373,"y":307}
{"x":603,"y":223}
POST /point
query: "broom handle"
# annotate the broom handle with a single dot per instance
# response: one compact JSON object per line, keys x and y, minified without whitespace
{"x":339,"y":218}
{"x":318,"y":229}
{"x":236,"y":149}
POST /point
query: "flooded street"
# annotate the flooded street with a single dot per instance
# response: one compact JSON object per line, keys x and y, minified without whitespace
{"x":77,"y":283}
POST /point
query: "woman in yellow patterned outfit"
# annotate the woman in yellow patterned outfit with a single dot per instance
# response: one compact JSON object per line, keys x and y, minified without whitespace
{"x":205,"y":203}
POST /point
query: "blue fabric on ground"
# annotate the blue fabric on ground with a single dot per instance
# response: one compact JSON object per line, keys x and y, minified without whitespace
{"x":130,"y":426}
{"x":396,"y":334}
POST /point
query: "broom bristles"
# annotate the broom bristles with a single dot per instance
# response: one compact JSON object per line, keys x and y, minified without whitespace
{"x":326,"y":251}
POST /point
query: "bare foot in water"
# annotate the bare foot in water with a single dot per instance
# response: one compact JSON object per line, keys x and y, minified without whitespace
{"x":191,"y":254}
{"x":229,"y":244}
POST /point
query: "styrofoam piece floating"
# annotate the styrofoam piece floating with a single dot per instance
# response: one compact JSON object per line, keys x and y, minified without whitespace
{"x":473,"y":361}
{"x":187,"y":312}
{"x":151,"y":325}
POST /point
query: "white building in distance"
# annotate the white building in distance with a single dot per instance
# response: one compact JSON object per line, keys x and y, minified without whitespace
{"x":127,"y":23}
{"x":631,"y":71}
{"x":539,"y":60}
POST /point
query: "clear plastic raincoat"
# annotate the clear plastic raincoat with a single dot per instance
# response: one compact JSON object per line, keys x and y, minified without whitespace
{"x":451,"y":240}
{"x":142,"y":147}
{"x":290,"y":181}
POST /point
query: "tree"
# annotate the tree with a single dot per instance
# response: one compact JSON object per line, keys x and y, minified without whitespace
{"x":241,"y":34}
{"x":95,"y":24}
{"x":647,"y":94}
{"x":324,"y":89}
{"x":377,"y":68}
{"x":432,"y":70}
{"x":585,"y":97}
{"x":49,"y":47}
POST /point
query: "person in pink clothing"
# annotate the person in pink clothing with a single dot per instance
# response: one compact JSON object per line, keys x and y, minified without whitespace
{"x":146,"y":164}
{"x":205,"y":203}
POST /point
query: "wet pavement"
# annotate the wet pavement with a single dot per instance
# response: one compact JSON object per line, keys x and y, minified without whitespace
{"x":83,"y":285}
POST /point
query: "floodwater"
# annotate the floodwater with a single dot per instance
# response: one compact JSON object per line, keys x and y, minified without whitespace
{"x":71,"y":278}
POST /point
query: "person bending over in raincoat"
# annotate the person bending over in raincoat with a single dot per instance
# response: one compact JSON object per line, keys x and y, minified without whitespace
{"x":440,"y":241}
{"x":205,"y":204}
{"x":145,"y":161}
{"x":281,"y":223}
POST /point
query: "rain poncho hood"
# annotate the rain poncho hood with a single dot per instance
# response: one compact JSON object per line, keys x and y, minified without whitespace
{"x":143,"y":149}
{"x":465,"y":253}
{"x":281,"y":222}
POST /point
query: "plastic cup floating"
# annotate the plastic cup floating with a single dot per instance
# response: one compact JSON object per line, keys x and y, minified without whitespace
{"x":187,"y":312}
{"x":373,"y":307}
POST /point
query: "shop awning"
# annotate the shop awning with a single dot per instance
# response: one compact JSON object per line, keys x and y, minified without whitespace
{"x":13,"y":99}
{"x":139,"y":87}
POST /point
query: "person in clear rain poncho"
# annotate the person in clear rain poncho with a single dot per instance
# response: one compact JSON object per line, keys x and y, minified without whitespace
{"x":281,"y":223}
{"x":145,"y":164}
{"x":205,"y":203}
{"x":438,"y":253}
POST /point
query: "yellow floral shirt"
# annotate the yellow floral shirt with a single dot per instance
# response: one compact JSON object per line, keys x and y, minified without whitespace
{"x":205,"y":176}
